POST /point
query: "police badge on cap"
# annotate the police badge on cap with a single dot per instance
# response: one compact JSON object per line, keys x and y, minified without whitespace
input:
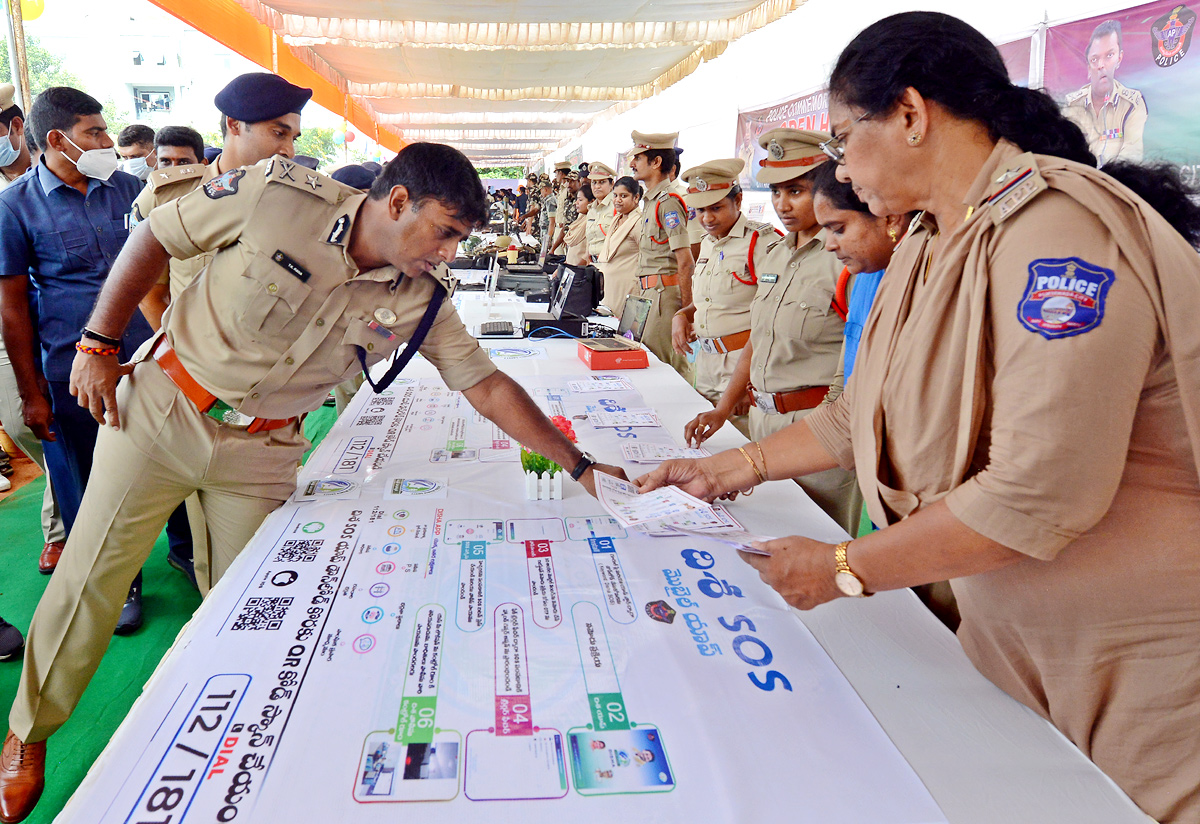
{"x":775,"y":150}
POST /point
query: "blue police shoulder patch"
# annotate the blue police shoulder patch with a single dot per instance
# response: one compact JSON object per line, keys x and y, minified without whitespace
{"x":1064,"y":297}
{"x":671,"y":219}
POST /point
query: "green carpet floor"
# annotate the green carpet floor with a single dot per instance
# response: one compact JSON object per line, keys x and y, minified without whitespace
{"x":168,"y":601}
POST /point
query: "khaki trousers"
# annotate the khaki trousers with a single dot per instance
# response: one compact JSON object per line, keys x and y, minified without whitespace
{"x":834,"y":490}
{"x":713,"y":372}
{"x":165,"y":451}
{"x":665,"y":302}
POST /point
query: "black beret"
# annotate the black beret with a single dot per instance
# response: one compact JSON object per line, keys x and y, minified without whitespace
{"x":355,"y":176}
{"x":211,"y":153}
{"x":373,"y":167}
{"x":307,"y":162}
{"x":260,"y":96}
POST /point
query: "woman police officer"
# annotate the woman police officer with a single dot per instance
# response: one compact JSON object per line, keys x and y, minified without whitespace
{"x":795,"y":342}
{"x":724,"y":282}
{"x":1025,"y":412}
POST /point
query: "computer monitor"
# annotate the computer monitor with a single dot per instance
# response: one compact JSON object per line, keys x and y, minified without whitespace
{"x":566,"y":281}
{"x":633,"y":318}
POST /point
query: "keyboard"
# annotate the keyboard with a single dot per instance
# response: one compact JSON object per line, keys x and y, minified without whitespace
{"x":496,"y":328}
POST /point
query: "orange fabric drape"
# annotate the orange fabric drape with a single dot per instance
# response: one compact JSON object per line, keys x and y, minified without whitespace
{"x":228,"y":23}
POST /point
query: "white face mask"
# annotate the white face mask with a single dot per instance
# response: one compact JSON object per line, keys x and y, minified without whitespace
{"x":8,"y":154}
{"x":137,"y":167}
{"x":97,"y":163}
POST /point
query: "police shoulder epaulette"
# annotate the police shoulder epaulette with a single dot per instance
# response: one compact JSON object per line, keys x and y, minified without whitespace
{"x":1132,"y":95}
{"x":444,"y":275}
{"x":281,"y":170}
{"x":161,"y":178}
{"x":1073,"y":96}
{"x":1015,"y":186}
{"x":769,"y":233}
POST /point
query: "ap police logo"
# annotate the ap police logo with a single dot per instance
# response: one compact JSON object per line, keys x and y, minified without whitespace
{"x":1064,"y":297}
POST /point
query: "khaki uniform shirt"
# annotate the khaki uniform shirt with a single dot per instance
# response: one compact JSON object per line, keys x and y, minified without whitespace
{"x":273,"y":324}
{"x":163,"y":186}
{"x":722,"y":286}
{"x":664,"y":230}
{"x":599,"y":220}
{"x":1116,"y":129}
{"x":796,"y":335}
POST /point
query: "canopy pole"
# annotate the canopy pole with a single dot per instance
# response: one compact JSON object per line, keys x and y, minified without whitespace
{"x":18,"y":62}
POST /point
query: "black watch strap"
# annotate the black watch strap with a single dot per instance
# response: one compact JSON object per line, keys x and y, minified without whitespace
{"x":96,"y":336}
{"x":585,"y":460}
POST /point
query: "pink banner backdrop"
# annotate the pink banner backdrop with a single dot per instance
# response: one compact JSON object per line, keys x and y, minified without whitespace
{"x":1157,"y":79}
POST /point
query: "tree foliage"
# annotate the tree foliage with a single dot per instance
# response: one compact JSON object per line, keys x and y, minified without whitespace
{"x":45,"y":68}
{"x":318,"y":142}
{"x":500,"y":172}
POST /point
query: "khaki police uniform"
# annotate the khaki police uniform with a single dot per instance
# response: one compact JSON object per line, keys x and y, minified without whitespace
{"x":664,"y":231}
{"x":269,"y":329}
{"x":795,"y":334}
{"x":601,"y":214}
{"x":163,"y":186}
{"x":1113,"y":126}
{"x":619,"y":257}
{"x":1037,"y":375}
{"x":724,"y":281}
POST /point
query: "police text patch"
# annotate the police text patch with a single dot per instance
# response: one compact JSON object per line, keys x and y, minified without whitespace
{"x":1064,"y":297}
{"x":226,"y":184}
{"x":671,"y":220}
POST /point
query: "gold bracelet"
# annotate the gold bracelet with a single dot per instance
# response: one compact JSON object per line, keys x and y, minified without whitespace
{"x":753,"y":465}
{"x":762,"y":458}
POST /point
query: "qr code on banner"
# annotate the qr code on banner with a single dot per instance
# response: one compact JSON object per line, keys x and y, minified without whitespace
{"x":299,"y":551}
{"x":262,"y":613}
{"x":371,"y":420}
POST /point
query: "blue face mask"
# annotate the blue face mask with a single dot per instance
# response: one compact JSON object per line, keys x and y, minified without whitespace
{"x":8,"y":155}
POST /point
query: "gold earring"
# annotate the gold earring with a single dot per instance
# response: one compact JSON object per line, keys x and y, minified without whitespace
{"x":892,"y":234}
{"x":915,"y":138}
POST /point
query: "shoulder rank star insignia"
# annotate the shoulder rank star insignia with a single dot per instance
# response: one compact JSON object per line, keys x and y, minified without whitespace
{"x":701,"y":185}
{"x":775,"y":150}
{"x":311,"y":180}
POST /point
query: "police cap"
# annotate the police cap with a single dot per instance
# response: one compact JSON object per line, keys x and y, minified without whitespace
{"x":258,"y":96}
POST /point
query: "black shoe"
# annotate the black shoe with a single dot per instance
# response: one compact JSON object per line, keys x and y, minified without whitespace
{"x":185,"y":565}
{"x":12,"y":643}
{"x":131,"y":613}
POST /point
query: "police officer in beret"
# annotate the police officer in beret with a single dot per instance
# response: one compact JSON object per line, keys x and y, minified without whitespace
{"x":260,"y":118}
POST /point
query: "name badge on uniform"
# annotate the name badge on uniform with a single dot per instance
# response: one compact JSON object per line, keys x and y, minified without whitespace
{"x":701,"y":262}
{"x":292,"y":266}
{"x":768,"y":278}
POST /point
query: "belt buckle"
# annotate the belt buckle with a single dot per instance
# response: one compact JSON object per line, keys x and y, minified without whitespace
{"x":225,"y":414}
{"x":709,"y":346}
{"x":765,"y":401}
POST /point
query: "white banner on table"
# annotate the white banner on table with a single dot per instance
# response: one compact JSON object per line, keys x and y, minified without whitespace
{"x":376,"y":658}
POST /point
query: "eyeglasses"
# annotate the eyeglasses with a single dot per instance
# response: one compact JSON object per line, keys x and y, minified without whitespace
{"x":834,"y":148}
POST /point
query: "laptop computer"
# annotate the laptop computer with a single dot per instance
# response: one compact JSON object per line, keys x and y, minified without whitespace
{"x":633,"y":318}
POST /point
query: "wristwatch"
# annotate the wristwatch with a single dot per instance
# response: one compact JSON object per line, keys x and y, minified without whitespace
{"x":585,"y":460}
{"x":849,"y":583}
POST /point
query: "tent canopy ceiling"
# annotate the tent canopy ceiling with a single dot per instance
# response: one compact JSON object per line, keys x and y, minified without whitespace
{"x":518,"y":78}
